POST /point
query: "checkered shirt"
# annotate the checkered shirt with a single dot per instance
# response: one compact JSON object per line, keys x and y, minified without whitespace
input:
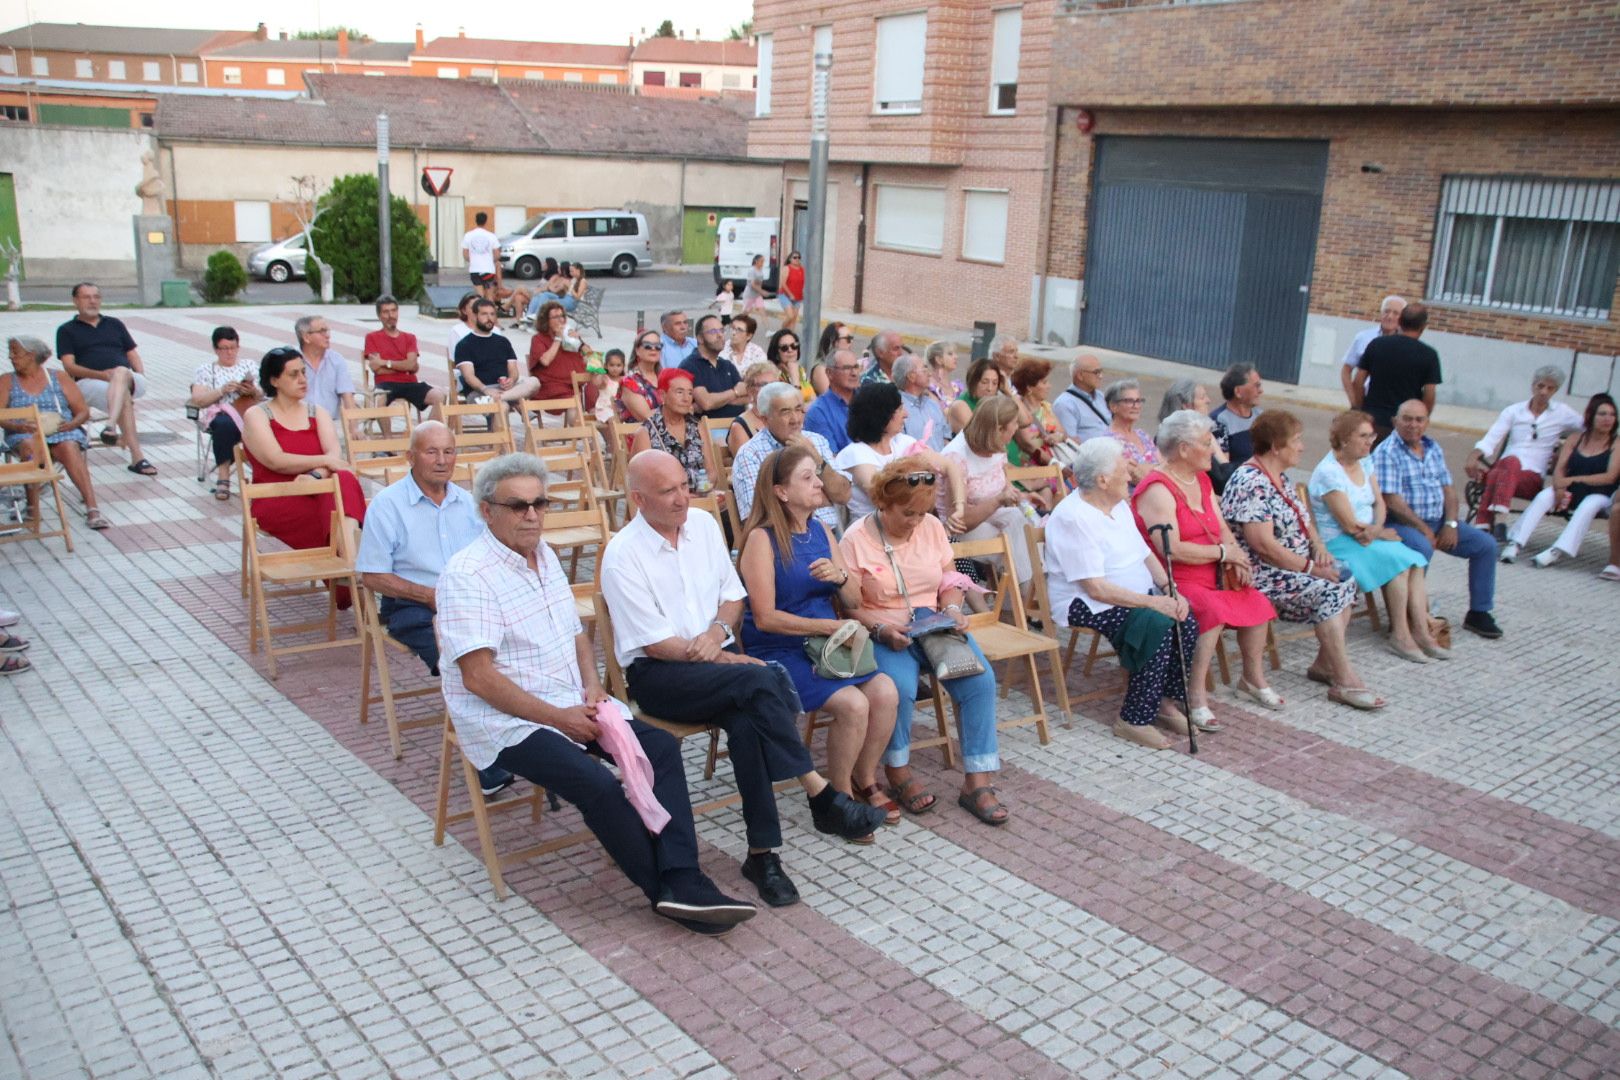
{"x":745,"y":472}
{"x":1421,"y":482}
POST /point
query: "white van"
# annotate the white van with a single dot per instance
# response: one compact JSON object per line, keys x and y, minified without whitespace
{"x":741,"y":238}
{"x":615,"y":240}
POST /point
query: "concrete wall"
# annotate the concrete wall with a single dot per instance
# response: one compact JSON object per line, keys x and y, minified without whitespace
{"x":75,"y":200}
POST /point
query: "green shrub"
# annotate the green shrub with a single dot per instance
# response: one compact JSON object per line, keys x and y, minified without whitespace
{"x":345,"y":237}
{"x":224,"y":277}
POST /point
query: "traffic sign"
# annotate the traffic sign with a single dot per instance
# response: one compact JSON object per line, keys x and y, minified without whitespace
{"x":436,"y":179}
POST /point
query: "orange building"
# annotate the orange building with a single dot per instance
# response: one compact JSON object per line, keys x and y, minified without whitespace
{"x":462,"y":57}
{"x":264,"y":63}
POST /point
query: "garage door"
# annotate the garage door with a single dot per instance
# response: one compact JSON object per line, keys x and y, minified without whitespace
{"x":1201,"y":250}
{"x":700,"y":231}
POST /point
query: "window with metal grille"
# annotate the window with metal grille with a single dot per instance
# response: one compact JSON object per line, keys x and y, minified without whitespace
{"x":14,"y":112}
{"x":1546,"y":247}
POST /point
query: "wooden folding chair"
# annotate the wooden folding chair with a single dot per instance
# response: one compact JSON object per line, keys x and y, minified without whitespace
{"x":375,"y":456}
{"x":1040,"y":606}
{"x":816,"y":720}
{"x":716,"y":427}
{"x":33,"y":475}
{"x":546,"y":414}
{"x":474,"y":447}
{"x":574,"y":531}
{"x":1303,"y":494}
{"x":375,"y":646}
{"x":1015,"y":640}
{"x":300,"y":572}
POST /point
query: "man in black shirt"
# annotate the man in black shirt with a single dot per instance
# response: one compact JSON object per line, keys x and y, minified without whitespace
{"x":97,"y":351}
{"x":487,"y":363}
{"x":717,"y":385}
{"x":1401,"y":368}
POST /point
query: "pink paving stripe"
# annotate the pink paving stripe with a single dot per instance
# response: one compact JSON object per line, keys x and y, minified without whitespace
{"x":1576,"y":864}
{"x":788,"y":993}
{"x":1381,"y":994}
{"x":130,"y":539}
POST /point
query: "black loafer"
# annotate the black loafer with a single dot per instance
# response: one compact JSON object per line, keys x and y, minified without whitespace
{"x":1481,"y":623}
{"x":698,"y":900}
{"x":766,"y":873}
{"x":845,"y":817}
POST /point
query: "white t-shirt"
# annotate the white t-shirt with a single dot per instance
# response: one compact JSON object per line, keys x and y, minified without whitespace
{"x":457,"y":332}
{"x":1082,"y":542}
{"x":480,"y":246}
{"x":860,"y":503}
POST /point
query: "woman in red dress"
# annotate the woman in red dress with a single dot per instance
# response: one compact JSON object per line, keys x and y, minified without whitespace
{"x":1209,"y":566}
{"x":285,"y":439}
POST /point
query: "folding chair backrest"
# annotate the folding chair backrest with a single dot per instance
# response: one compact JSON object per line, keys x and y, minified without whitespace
{"x":717,"y":427}
{"x":1034,"y":475}
{"x":1040,"y":600}
{"x":711,"y":506}
{"x":476,"y":446}
{"x":530,"y":412}
{"x":364,"y":449}
{"x":337,"y":538}
{"x":1006,"y":595}
{"x":41,"y":458}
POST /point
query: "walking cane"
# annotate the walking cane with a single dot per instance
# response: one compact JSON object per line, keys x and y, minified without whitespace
{"x":1181,"y":655}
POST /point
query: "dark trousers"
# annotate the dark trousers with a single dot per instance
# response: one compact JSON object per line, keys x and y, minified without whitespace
{"x":1160,"y":678}
{"x":411,"y":624}
{"x":556,"y":764}
{"x":758,"y":709}
{"x":222,"y":430}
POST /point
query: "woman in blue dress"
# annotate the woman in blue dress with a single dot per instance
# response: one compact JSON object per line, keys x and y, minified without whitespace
{"x":1349,"y":512}
{"x":792,"y":571}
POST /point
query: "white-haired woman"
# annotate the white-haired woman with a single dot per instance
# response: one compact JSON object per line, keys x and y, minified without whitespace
{"x":1102,"y":576}
{"x":1191,"y":394}
{"x":1124,"y":400}
{"x":1210,"y":567}
{"x":62,"y":416}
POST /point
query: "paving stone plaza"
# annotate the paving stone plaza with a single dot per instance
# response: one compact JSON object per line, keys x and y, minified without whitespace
{"x":207,"y":873}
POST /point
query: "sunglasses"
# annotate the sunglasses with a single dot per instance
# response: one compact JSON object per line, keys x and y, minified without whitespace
{"x":915,"y":478}
{"x":846,"y":337}
{"x":649,"y":344}
{"x":521,"y":506}
{"x":787,"y":346}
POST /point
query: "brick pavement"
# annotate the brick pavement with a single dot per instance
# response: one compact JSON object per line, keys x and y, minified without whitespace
{"x":210,"y":874}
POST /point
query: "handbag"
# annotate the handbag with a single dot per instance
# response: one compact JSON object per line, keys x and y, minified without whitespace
{"x":846,"y":653}
{"x":948,"y":652}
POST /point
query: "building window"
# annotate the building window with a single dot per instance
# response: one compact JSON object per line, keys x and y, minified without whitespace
{"x":116,"y":70}
{"x":188,"y":72}
{"x":1007,"y":27}
{"x":252,"y":222}
{"x":232,"y":76}
{"x":984,"y":226}
{"x":652,"y":78}
{"x":532,"y":74}
{"x":14,"y":112}
{"x":1546,"y":247}
{"x":573,"y":76}
{"x":730,"y":80}
{"x":40,"y":66}
{"x":508,"y":219}
{"x":762,"y":78}
{"x":692,"y":79}
{"x":8,"y":63}
{"x":483,"y":73}
{"x":898,"y":84}
{"x":275,"y":76}
{"x":611,"y":78}
{"x":151,"y":71}
{"x":148,"y":119}
{"x":449,"y":73}
{"x":84,"y":69}
{"x":910,"y":218}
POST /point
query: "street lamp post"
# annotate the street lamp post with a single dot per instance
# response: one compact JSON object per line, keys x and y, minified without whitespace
{"x":814,"y":270}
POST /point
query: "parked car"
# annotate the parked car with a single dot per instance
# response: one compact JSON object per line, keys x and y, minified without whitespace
{"x":615,"y":240}
{"x":736,"y":243}
{"x":280,"y":261}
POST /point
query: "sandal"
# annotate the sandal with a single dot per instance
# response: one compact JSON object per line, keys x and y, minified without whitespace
{"x":1356,"y":698}
{"x":144,"y":467}
{"x":912,"y":797}
{"x":972,"y":802}
{"x":1204,"y":719}
{"x":222,"y":490}
{"x":93,"y":518}
{"x":875,"y":796}
{"x":11,"y":664}
{"x":1260,"y":695}
{"x":11,"y":643}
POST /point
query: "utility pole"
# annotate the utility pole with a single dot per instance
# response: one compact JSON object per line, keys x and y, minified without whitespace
{"x":815,"y":272}
{"x":385,"y":240}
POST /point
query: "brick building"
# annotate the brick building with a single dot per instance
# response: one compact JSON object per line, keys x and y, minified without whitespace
{"x":1228,"y":180}
{"x":133,"y":55}
{"x":681,"y":67}
{"x":266,"y":63}
{"x":462,"y":57}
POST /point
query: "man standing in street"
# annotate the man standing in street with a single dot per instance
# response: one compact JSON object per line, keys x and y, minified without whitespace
{"x":1081,"y":409}
{"x":392,"y":356}
{"x":1422,"y":503}
{"x":1241,"y":390}
{"x":1399,"y":368}
{"x":828,"y":415}
{"x":886,"y":349}
{"x":97,"y":351}
{"x":1389,"y":321}
{"x":716,"y":383}
{"x":481,"y":250}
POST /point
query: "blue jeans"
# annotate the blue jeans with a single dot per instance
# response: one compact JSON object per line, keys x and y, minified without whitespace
{"x":1473,"y":544}
{"x":975,"y":698}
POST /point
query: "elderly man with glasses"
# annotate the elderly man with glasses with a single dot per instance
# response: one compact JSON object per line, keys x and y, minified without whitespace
{"x":330,"y":384}
{"x":783,"y":408}
{"x":1081,"y":408}
{"x":829,"y":415}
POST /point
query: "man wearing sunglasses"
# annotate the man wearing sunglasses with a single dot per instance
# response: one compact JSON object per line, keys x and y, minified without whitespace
{"x":1527,"y":433}
{"x":522,"y":689}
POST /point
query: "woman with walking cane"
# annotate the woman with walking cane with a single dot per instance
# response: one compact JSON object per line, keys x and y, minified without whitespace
{"x":1101,"y":574}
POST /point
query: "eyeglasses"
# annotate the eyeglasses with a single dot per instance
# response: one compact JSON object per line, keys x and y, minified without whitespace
{"x":915,"y":478}
{"x":848,"y":369}
{"x":649,"y":344}
{"x":846,"y":337}
{"x":787,"y":346}
{"x":520,"y":506}
{"x":1128,"y":401}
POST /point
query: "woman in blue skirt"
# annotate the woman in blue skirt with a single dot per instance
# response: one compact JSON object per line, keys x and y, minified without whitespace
{"x":1349,"y":512}
{"x":792,"y":571}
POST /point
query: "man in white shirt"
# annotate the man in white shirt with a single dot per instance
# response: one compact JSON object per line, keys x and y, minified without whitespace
{"x":1389,"y":321}
{"x":481,"y":249}
{"x":1527,"y":433}
{"x":521,"y":685}
{"x":1080,"y":408}
{"x":782,"y":406}
{"x":676,"y":600}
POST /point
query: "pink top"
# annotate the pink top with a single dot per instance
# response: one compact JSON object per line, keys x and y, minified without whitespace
{"x":924,"y":559}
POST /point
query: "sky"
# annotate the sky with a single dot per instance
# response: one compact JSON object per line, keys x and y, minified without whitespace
{"x":601,"y":21}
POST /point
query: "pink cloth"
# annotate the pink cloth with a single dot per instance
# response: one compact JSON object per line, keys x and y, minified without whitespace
{"x":635,"y":771}
{"x":206,"y":417}
{"x":921,"y":444}
{"x":955,"y":579}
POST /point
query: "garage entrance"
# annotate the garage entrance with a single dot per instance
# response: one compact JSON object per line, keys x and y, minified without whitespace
{"x":700,"y":231}
{"x":1201,"y":250}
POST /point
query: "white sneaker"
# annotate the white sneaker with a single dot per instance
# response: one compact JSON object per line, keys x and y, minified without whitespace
{"x":1510,"y":554}
{"x":9,"y":618}
{"x":1548,"y":557}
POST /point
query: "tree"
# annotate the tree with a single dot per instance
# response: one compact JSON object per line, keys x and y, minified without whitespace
{"x":224,"y":277}
{"x":344,"y":230}
{"x":665,"y":29}
{"x":742,"y":31}
{"x":330,"y":34}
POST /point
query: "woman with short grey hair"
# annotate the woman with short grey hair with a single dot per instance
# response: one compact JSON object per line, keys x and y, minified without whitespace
{"x":1102,"y":576}
{"x":1124,"y":400}
{"x":1211,"y":569}
{"x":1191,"y":394}
{"x":63,"y":414}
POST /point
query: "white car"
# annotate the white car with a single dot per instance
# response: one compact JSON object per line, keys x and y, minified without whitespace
{"x":280,"y":261}
{"x":615,"y":240}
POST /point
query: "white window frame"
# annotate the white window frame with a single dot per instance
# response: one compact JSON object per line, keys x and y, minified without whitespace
{"x":766,"y":52}
{"x":449,"y":73}
{"x":1006,"y":36}
{"x":892,"y":80}
{"x":116,"y":69}
{"x":40,"y":66}
{"x":151,"y":71}
{"x":573,"y":76}
{"x":1579,"y":205}
{"x":608,"y":78}
{"x":8,"y":63}
{"x":188,"y":72}
{"x":914,"y":245}
{"x":537,"y":76}
{"x":230,"y":76}
{"x":84,"y":68}
{"x":984,"y":197}
{"x":252,"y":221}
{"x":275,"y":76}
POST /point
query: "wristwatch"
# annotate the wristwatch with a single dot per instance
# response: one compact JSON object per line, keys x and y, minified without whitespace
{"x":1448,"y":524}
